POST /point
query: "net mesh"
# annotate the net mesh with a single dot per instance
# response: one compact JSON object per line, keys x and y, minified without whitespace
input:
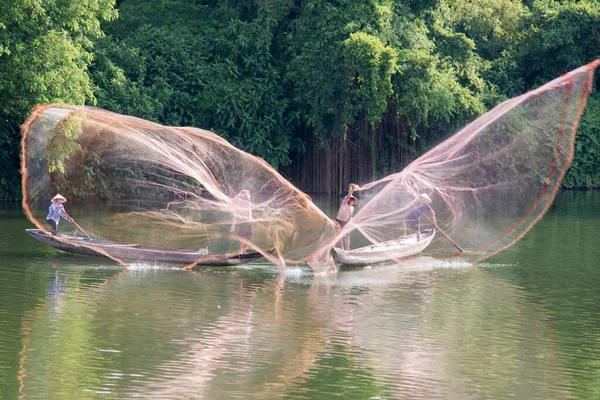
{"x":176,"y":188}
{"x":185,"y":188}
{"x":489,"y":183}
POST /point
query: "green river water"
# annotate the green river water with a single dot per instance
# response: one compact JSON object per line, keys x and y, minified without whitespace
{"x":526,"y":324}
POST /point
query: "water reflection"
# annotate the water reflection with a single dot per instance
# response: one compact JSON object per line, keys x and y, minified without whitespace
{"x":417,"y":333}
{"x":524,"y":325}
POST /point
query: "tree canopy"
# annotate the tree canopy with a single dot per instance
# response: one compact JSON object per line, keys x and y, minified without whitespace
{"x":46,"y":49}
{"x":327,"y":91}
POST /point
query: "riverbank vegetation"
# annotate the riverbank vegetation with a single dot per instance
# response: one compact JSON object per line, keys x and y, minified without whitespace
{"x":326,"y":91}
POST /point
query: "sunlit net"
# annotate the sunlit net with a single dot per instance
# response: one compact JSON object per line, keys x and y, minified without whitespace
{"x":135,"y":181}
{"x":490,"y":182}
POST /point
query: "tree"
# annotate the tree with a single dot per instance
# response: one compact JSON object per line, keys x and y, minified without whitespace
{"x":341,"y":63}
{"x":492,"y":25}
{"x":209,"y":67}
{"x":45,"y":50}
{"x":559,"y":37}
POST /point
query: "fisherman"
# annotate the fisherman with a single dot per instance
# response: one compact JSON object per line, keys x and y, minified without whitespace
{"x":55,"y":212}
{"x":243,"y":214}
{"x":413,"y":219}
{"x":345,"y":213}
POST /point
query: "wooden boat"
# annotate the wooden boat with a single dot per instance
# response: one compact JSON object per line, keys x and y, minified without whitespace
{"x":137,"y":252}
{"x":386,"y":251}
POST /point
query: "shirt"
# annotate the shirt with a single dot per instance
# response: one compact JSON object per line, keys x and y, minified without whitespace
{"x":243,"y":209}
{"x":415,"y":215}
{"x":55,"y":211}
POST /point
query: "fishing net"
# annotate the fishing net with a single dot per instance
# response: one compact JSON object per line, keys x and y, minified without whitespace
{"x":135,"y":182}
{"x":132,"y":181}
{"x":489,"y":183}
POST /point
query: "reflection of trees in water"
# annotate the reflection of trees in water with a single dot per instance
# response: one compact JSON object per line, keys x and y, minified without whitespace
{"x":54,"y":334}
{"x":259,"y":347}
{"x":438,"y":335}
{"x":388,"y":331}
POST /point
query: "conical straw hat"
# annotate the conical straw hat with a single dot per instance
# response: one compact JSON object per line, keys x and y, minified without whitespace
{"x":423,"y":198}
{"x":59,"y":198}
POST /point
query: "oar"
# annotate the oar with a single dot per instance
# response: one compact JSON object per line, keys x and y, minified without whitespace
{"x":434,"y":222}
{"x":77,"y":225}
{"x":450,"y":239}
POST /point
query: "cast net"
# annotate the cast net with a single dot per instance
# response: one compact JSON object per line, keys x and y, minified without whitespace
{"x":135,"y":182}
{"x":489,"y":183}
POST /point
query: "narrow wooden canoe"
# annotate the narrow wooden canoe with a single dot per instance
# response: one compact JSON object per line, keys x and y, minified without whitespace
{"x":386,"y":251}
{"x":137,"y":252}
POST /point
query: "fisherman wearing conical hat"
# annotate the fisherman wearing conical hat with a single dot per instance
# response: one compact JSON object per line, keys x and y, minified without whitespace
{"x":55,"y":212}
{"x":243,"y":218}
{"x":346,"y":212}
{"x":413,"y":219}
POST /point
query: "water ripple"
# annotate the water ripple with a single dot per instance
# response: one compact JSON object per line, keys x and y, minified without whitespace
{"x":523,"y":325}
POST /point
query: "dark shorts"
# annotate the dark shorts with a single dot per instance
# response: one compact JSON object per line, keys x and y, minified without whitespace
{"x":53,"y":225}
{"x":413,"y":223}
{"x":342,"y":223}
{"x":245,"y":230}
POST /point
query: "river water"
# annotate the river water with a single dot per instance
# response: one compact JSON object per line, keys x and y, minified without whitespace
{"x":526,"y":324}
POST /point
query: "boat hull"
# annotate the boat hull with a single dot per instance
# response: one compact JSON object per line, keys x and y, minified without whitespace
{"x":384,"y":252}
{"x":139,"y":253}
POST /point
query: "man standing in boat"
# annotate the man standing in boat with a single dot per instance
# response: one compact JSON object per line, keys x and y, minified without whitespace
{"x":56,"y":211}
{"x":243,"y":214}
{"x":413,"y":219}
{"x":345,"y":213}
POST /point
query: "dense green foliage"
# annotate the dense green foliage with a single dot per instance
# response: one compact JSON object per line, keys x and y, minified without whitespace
{"x":289,"y":79}
{"x":585,"y":172}
{"x":45,"y":53}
